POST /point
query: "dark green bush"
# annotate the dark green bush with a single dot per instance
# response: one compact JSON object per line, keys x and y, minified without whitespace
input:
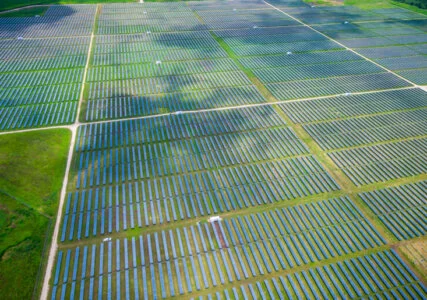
{"x":418,"y":3}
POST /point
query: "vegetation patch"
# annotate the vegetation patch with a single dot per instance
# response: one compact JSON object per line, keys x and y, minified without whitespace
{"x":32,"y":167}
{"x":22,"y":235}
{"x":417,"y":3}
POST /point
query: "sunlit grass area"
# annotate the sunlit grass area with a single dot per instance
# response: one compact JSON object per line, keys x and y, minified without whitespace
{"x":32,"y":167}
{"x":372,"y":4}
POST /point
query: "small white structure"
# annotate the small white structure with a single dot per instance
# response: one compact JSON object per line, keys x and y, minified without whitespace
{"x":148,"y":32}
{"x":20,"y":38}
{"x":214,"y":219}
{"x":289,"y":53}
{"x":158,"y":62}
{"x":255,"y":27}
{"x":347,"y":94}
{"x":106,"y":239}
{"x":346,"y":22}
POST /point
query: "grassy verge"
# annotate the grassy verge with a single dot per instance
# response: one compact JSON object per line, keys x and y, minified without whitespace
{"x":364,"y":4}
{"x":371,"y":4}
{"x":32,"y":167}
{"x":323,"y":2}
{"x":413,"y":251}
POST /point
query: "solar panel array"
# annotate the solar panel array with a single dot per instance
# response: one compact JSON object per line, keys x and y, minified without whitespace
{"x":366,"y":275}
{"x":385,"y":131}
{"x":57,"y":21}
{"x":369,"y":275}
{"x":139,"y":173}
{"x":166,"y":62}
{"x":304,"y":70}
{"x":140,"y":189}
{"x":42,"y":66}
{"x":397,"y":41}
{"x":401,"y":209}
{"x":181,"y":261}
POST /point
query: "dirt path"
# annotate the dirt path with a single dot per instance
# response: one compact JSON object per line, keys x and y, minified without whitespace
{"x":54,"y":245}
{"x":76,"y":124}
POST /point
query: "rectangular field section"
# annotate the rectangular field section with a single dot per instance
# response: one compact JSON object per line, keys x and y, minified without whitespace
{"x":382,"y":274}
{"x":190,"y":259}
{"x":354,"y":105}
{"x":152,"y":171}
{"x":42,"y":66}
{"x":151,"y":60}
{"x":379,"y":163}
{"x":367,"y":130}
{"x":401,"y":209}
{"x":295,"y":61}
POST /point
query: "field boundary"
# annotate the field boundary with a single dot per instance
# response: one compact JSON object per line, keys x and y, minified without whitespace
{"x":54,"y":245}
{"x":73,"y":128}
{"x":82,"y":92}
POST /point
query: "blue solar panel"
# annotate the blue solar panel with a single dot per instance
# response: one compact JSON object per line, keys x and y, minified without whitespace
{"x":195,"y":275}
{"x":126,"y":252}
{"x":67,"y":266}
{"x":135,"y":283}
{"x":153,"y":281}
{"x":178,"y":277}
{"x":100,"y":280}
{"x":58,"y":267}
{"x":117,"y":255}
{"x":170,"y":279}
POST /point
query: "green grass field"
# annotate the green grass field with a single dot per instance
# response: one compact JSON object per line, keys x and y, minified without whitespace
{"x":32,"y":167}
{"x":373,"y":4}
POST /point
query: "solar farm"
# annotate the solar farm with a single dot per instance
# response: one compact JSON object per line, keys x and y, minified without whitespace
{"x":228,"y":149}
